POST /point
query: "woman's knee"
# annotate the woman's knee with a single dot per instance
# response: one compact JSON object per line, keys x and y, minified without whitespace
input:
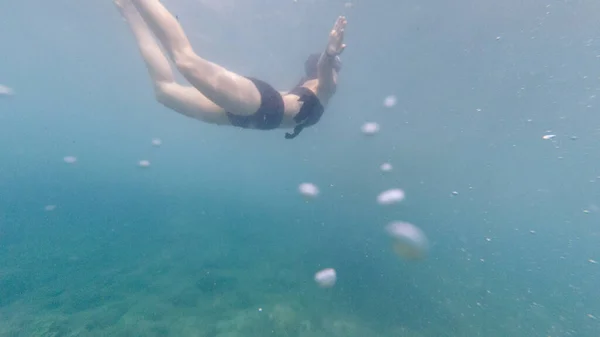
{"x":161,"y":92}
{"x":184,"y":60}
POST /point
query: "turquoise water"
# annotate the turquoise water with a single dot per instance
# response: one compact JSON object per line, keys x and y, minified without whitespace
{"x":213,"y":238}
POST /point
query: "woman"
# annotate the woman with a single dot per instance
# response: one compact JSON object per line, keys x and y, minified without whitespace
{"x":219,"y":96}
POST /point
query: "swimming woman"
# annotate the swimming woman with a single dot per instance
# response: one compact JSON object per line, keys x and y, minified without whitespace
{"x":219,"y":96}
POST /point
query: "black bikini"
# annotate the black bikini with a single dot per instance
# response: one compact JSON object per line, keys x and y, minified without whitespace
{"x":270,"y":113}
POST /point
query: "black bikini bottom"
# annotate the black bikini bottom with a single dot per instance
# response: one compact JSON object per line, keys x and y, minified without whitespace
{"x":270,"y":113}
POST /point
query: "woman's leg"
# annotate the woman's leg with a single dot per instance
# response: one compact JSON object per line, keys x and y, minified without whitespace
{"x":232,"y":92}
{"x":185,"y":100}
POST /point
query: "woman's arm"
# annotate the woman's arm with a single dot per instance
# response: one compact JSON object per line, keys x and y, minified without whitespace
{"x":327,"y":78}
{"x":326,"y":65}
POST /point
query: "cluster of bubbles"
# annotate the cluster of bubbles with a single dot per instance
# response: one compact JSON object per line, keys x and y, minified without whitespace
{"x":144,"y":163}
{"x":408,"y":241}
{"x":71,"y":160}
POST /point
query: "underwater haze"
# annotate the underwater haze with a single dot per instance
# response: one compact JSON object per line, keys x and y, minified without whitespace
{"x":494,"y":138}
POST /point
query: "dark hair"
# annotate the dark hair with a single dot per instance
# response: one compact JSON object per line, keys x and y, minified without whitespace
{"x":311,"y":69}
{"x":311,"y":66}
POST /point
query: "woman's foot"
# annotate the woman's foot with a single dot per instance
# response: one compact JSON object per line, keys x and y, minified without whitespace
{"x":124,"y":7}
{"x":118,"y":3}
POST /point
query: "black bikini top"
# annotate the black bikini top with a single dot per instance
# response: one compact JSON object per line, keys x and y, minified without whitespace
{"x":309,"y":114}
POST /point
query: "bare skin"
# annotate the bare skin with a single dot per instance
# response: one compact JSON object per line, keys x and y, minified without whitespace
{"x":186,"y":100}
{"x":214,"y":89}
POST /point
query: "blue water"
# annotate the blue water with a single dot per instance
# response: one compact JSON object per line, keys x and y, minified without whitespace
{"x":213,"y":238}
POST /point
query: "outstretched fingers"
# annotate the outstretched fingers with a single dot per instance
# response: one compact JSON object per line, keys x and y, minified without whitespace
{"x":338,"y":33}
{"x":340,"y":24}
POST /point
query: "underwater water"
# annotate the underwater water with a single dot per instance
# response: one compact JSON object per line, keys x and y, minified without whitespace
{"x":214,"y":239}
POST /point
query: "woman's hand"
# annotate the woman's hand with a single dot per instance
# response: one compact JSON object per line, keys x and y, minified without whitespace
{"x":336,"y":38}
